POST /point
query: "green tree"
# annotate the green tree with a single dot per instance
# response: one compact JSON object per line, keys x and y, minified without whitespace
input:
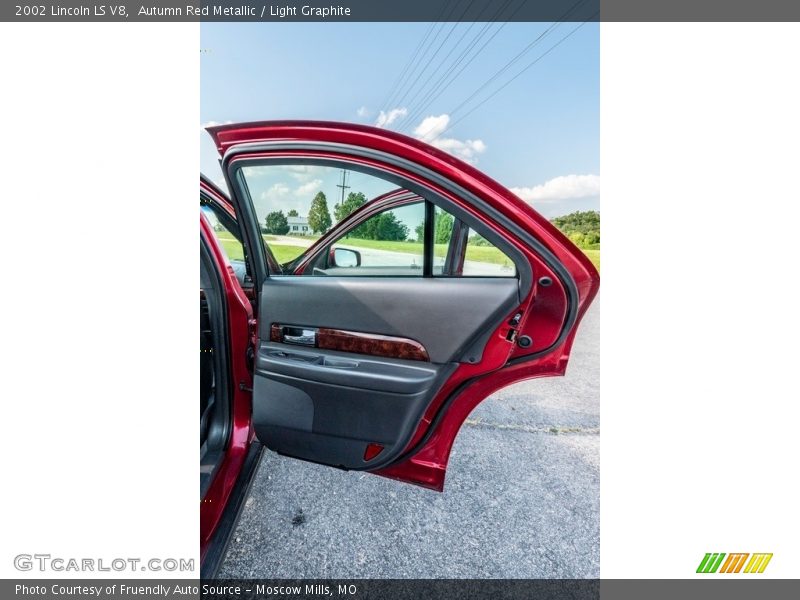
{"x":351,"y":203}
{"x":385,"y":226}
{"x":592,"y":237}
{"x":319,"y":218}
{"x":577,"y":238}
{"x":292,"y":213}
{"x":419,"y":230}
{"x":390,"y":228}
{"x":441,"y":231}
{"x":582,"y":227}
{"x":276,"y":223}
{"x":444,"y":227}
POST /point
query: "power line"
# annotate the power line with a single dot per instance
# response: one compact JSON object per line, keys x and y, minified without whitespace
{"x":455,"y":62}
{"x":430,"y":60}
{"x":519,"y":55}
{"x":383,"y":105}
{"x":458,"y":21}
{"x":507,"y":83}
{"x":414,"y":62}
{"x":343,"y":185}
{"x":394,"y":101}
{"x":432,"y":94}
{"x":437,"y":89}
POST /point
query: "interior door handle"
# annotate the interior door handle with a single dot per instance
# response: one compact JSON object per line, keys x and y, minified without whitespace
{"x":300,"y":336}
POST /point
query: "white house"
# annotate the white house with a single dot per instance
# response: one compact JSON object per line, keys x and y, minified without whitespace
{"x":298,"y":226}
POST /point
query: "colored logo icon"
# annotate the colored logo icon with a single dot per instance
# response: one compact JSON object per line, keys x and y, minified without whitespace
{"x":734,"y":563}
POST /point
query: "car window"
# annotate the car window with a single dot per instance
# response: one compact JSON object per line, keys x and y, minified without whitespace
{"x":443,"y":226}
{"x":296,"y":204}
{"x":484,"y":259}
{"x":233,"y":248}
{"x":389,"y":243}
{"x":392,"y":243}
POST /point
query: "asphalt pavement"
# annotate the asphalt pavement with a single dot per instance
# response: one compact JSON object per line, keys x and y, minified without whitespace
{"x":521,"y":499}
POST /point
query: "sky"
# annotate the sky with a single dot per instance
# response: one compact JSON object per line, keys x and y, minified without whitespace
{"x":293,"y":187}
{"x":538,"y":135}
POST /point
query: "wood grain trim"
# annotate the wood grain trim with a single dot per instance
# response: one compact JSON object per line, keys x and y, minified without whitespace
{"x":372,"y":344}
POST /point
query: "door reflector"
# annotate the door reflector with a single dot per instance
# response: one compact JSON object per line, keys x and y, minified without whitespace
{"x":372,"y":451}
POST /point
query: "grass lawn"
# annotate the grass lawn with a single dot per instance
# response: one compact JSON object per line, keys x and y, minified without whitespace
{"x":311,"y":238}
{"x":406,"y":247}
{"x":485,"y":254}
{"x":232,"y":247}
{"x":284,"y":253}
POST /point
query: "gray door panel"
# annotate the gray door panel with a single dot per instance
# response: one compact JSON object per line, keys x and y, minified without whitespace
{"x":304,"y":409}
{"x":328,"y":406}
{"x":342,"y":368}
{"x":443,"y":314}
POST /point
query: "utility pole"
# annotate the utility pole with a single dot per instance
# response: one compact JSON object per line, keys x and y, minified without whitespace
{"x":343,"y":185}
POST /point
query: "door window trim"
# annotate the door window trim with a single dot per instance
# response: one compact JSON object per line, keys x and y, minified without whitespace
{"x":241,"y":156}
{"x":433,"y":177}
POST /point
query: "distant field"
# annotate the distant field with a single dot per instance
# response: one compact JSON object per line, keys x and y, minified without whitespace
{"x":485,"y":254}
{"x":311,"y":238}
{"x":284,"y":253}
{"x":406,"y":247}
{"x":232,"y":247}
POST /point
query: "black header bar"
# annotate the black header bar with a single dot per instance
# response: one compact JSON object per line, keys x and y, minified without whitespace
{"x":404,"y":11}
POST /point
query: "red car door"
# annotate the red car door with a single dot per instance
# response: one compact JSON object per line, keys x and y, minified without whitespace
{"x":375,"y":368}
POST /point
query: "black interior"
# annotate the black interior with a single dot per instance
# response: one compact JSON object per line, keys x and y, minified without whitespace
{"x":206,"y":368}
{"x":214,"y":389}
{"x":328,"y":406}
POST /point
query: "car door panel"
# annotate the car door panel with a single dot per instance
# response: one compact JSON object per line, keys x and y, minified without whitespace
{"x":346,"y":369}
{"x":442,"y":314}
{"x":302,"y":407}
{"x":478,"y":333}
{"x":327,"y":405}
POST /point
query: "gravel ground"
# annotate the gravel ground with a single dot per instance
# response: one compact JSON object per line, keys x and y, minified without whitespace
{"x":521,"y":500}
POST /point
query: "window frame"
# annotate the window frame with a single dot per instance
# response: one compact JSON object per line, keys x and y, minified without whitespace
{"x":455,"y":256}
{"x":324,"y":251}
{"x":420,"y":190}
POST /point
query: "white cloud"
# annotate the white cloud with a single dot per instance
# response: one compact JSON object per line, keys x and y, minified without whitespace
{"x":276,"y":191}
{"x":308,"y":188}
{"x":466,"y":150}
{"x":303,"y":172}
{"x":299,"y":173}
{"x":363,"y":111}
{"x":564,"y":187}
{"x":432,"y":127}
{"x":387,"y":118}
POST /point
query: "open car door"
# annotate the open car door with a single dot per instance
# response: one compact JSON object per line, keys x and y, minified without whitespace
{"x":378,"y":341}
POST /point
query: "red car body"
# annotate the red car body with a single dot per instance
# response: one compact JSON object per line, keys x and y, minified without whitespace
{"x":564,"y":286}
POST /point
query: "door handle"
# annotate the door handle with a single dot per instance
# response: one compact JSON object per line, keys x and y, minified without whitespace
{"x":300,"y":336}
